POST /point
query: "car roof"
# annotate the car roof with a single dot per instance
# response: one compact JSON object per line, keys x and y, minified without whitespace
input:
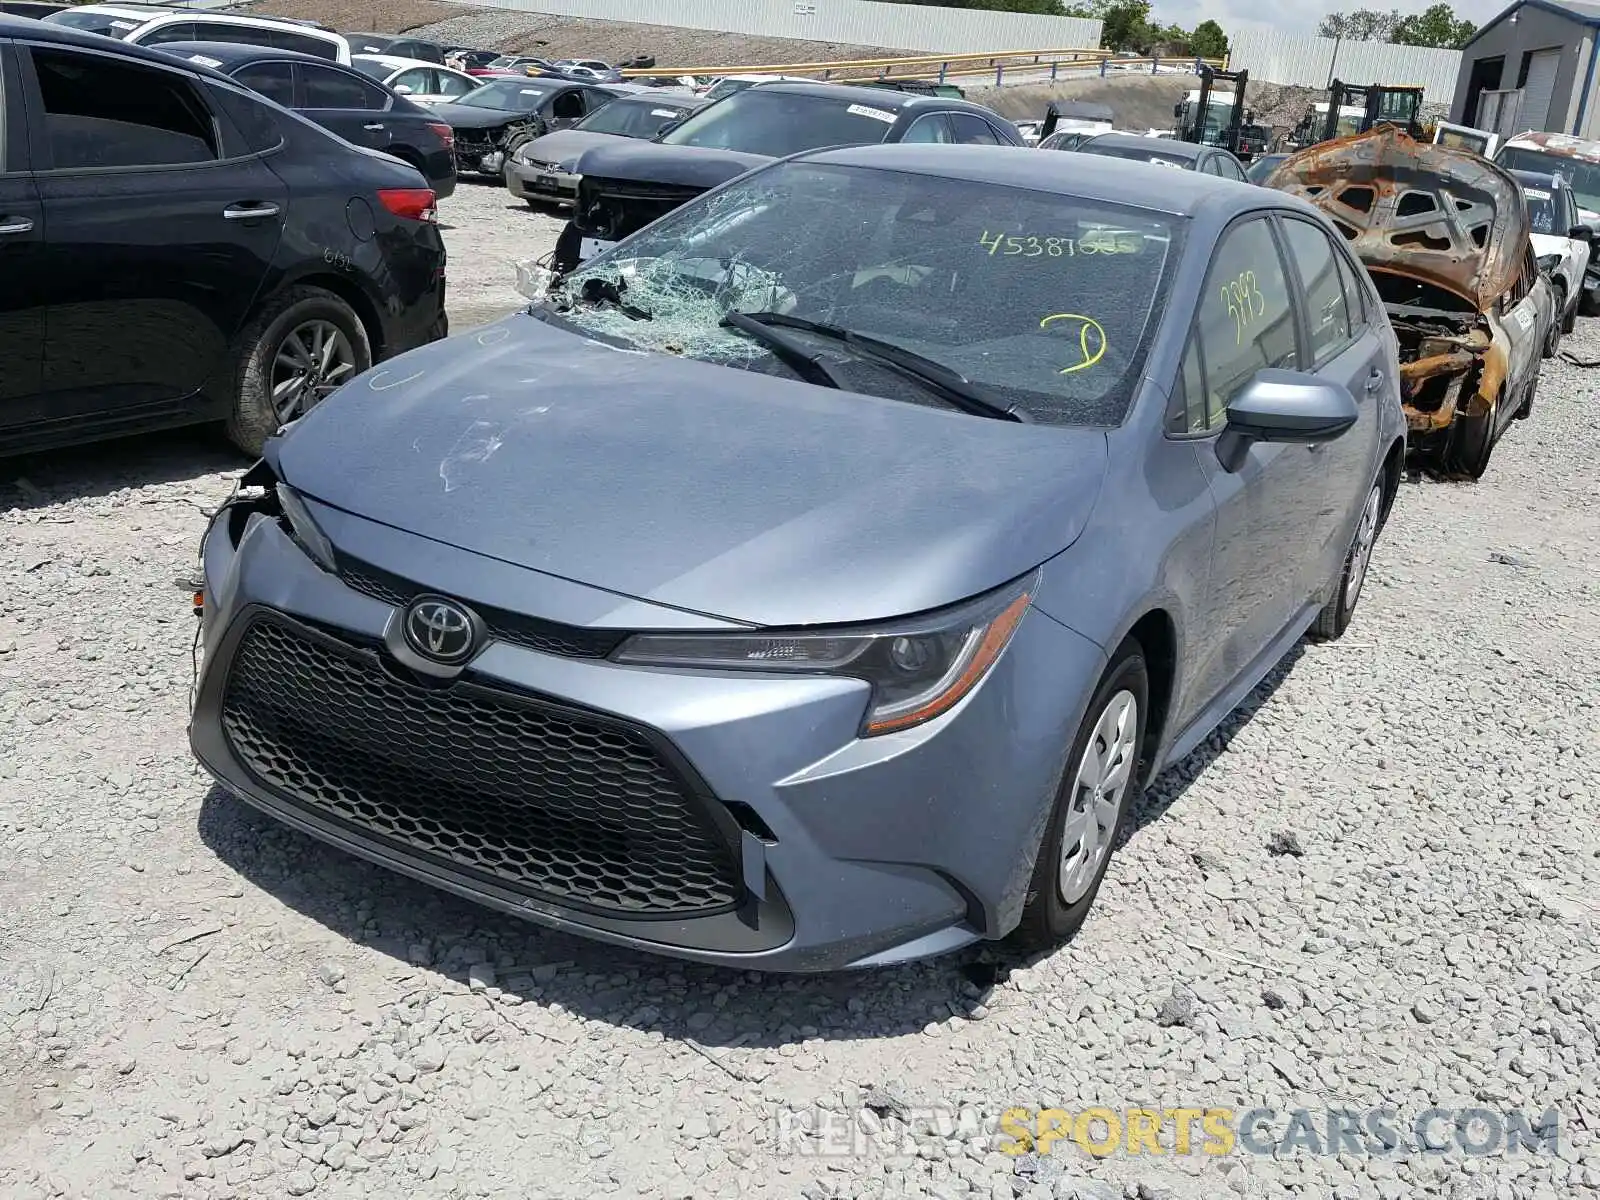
{"x":1167,"y":146}
{"x":64,"y":35}
{"x":1105,"y":179}
{"x":143,"y":12}
{"x":233,"y":54}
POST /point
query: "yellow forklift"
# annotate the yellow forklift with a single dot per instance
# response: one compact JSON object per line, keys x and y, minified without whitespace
{"x":1353,"y":108}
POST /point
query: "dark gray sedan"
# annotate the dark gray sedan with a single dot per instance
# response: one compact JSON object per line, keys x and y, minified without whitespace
{"x":816,"y":578}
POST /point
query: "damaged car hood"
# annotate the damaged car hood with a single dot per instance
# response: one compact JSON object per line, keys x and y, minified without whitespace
{"x":713,"y":489}
{"x":1443,"y":216}
{"x":565,"y":145}
{"x":681,"y":166}
{"x":473,"y":116}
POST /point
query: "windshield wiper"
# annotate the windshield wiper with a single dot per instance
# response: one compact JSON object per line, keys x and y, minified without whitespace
{"x":953,"y":385}
{"x":784,"y":348}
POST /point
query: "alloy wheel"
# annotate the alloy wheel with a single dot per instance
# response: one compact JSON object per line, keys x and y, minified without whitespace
{"x":1098,"y":792}
{"x":1361,"y":551}
{"x":314,"y":358}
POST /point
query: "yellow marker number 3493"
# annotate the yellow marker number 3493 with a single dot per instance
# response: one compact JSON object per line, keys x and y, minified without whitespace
{"x":1244,"y":302}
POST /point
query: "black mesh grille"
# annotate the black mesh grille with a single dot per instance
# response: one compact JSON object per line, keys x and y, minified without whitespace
{"x":541,"y":799}
{"x":548,"y":637}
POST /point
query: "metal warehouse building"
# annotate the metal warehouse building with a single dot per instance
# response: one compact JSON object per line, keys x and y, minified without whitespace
{"x":1533,"y":67}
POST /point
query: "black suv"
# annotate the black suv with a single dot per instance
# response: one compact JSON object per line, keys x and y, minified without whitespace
{"x":176,"y":249}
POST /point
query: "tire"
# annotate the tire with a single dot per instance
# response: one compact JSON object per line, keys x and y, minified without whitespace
{"x":256,"y":353}
{"x":1050,"y":917}
{"x":1336,"y":614}
{"x":1470,"y":444}
{"x":1552,"y":341}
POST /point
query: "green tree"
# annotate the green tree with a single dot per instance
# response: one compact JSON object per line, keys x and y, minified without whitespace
{"x":1360,"y":25}
{"x":1125,"y":24}
{"x":1208,"y":40}
{"x":1436,"y":26}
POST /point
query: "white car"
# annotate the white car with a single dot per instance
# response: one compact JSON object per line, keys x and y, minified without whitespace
{"x":415,"y":79}
{"x":1553,"y":215}
{"x":146,"y":25}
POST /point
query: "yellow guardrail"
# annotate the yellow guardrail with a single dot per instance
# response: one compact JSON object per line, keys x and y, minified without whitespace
{"x":1069,"y":56}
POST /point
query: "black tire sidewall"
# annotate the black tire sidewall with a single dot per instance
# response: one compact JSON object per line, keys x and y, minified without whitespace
{"x":1048,"y":918}
{"x":254,"y":419}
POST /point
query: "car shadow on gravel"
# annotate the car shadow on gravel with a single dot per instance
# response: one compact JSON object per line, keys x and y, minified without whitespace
{"x":30,"y":481}
{"x":431,"y":931}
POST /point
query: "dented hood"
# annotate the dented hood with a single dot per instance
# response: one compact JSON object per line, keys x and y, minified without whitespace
{"x":723,"y":491}
{"x":1432,"y":213}
{"x":639,"y":161}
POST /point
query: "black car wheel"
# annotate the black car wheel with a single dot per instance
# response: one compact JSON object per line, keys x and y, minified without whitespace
{"x":1552,"y":341}
{"x":1335,"y":616}
{"x":1104,"y":776}
{"x":300,"y":346}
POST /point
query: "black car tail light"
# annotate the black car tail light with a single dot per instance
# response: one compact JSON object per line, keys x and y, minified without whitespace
{"x":446,"y":134}
{"x":414,"y":204}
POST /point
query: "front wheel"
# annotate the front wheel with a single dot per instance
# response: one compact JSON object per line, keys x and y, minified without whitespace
{"x":1104,"y":775}
{"x":1552,"y":341}
{"x":299,"y":347}
{"x":1336,"y":614}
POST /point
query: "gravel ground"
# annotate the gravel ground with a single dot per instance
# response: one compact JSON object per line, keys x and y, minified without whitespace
{"x":563,"y":37}
{"x":1375,"y":887}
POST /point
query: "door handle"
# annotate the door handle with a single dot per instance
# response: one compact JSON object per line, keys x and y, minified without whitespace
{"x":1374,"y":381}
{"x":15,"y":225}
{"x":250,"y":211}
{"x":374,"y":127}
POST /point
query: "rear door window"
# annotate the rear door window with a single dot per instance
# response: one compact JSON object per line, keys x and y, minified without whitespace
{"x":178,"y":31}
{"x":227,"y":31}
{"x":99,"y":112}
{"x":972,"y":131}
{"x":304,"y":43}
{"x":418,"y":81}
{"x":453,"y":85}
{"x":326,"y":87}
{"x":274,"y":80}
{"x":933,"y":127}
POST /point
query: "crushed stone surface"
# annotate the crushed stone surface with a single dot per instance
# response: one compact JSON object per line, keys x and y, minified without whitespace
{"x":199,"y":1003}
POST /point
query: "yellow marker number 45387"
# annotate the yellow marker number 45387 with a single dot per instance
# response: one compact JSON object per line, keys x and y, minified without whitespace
{"x":1244,"y":302}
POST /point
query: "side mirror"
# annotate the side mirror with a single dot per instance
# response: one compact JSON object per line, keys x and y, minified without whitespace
{"x":668,"y":128}
{"x":402,"y":89}
{"x":1284,"y":406}
{"x":1581,"y":233}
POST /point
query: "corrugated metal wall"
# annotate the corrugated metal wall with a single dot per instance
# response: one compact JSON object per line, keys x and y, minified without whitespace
{"x":1274,"y":56}
{"x":860,"y":22}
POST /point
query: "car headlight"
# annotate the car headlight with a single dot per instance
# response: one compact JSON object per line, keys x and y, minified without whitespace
{"x":297,"y":520}
{"x":919,"y":667}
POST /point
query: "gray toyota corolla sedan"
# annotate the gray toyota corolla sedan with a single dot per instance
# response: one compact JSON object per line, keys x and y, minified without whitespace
{"x":814,"y":579}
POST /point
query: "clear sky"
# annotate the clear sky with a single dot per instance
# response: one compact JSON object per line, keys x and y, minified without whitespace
{"x":1301,"y":16}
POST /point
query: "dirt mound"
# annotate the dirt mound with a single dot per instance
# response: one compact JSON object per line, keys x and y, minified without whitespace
{"x":1142,"y":102}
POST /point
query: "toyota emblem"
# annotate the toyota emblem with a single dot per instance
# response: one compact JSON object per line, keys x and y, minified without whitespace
{"x":440,"y":629}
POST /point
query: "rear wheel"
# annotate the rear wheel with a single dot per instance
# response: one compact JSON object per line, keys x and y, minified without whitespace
{"x":1103,"y":777}
{"x":1335,"y":616}
{"x":301,"y":345}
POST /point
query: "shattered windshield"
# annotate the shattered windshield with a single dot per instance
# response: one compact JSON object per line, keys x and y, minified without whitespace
{"x":1582,"y":177}
{"x":513,"y":95}
{"x":763,"y":121}
{"x":635,"y":118}
{"x":1045,"y":301}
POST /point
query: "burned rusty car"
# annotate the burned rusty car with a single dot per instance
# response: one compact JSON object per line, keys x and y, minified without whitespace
{"x":1445,"y":236}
